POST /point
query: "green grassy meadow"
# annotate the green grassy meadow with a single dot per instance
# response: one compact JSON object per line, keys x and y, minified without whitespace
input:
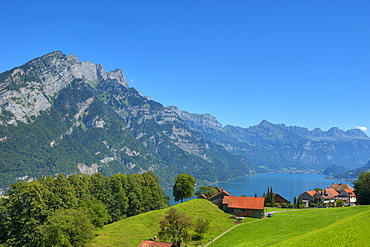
{"x":131,"y":231}
{"x":307,"y":227}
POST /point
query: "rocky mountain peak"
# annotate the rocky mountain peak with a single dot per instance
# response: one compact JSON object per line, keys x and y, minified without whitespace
{"x":206,"y":120}
{"x":27,"y":90}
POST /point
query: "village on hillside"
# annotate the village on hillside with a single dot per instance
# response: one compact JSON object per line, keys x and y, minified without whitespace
{"x":337,"y":194}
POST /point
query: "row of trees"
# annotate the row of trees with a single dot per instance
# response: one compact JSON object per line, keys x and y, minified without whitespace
{"x":65,"y":211}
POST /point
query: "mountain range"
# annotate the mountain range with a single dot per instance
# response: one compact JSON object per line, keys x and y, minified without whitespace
{"x":60,"y":115}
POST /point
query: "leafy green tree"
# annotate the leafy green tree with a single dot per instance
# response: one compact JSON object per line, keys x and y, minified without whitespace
{"x":339,"y":203}
{"x":362,"y":188}
{"x":26,"y":209}
{"x":96,"y":211}
{"x":208,"y":191}
{"x":201,"y":227}
{"x":67,"y":227}
{"x":174,"y":227}
{"x":184,"y":187}
{"x":300,"y":202}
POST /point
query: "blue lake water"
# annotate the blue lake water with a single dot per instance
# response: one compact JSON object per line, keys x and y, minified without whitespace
{"x":286,"y":185}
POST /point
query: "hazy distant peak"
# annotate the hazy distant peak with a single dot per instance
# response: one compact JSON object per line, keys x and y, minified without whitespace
{"x":206,"y":120}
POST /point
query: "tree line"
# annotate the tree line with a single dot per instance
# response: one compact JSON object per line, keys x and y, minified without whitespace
{"x":66,"y":211}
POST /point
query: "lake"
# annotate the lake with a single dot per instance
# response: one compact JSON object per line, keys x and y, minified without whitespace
{"x":286,"y":185}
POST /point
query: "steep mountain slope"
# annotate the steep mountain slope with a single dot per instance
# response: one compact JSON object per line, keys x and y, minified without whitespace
{"x":277,"y":147}
{"x":59,"y":115}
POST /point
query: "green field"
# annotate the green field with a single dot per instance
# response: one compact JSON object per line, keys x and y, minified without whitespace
{"x":131,"y":231}
{"x":308,"y":227}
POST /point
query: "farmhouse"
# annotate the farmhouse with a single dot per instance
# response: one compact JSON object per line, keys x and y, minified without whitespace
{"x":244,"y":206}
{"x":217,"y":198}
{"x":279,"y":199}
{"x":348,"y":196}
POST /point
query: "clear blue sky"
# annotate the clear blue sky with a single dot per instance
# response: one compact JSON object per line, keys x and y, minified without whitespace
{"x":302,"y":63}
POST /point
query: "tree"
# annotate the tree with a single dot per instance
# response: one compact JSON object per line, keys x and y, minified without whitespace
{"x":362,"y":188}
{"x":270,"y":200}
{"x":174,"y":227}
{"x":201,"y":227}
{"x":340,"y":203}
{"x":67,"y":227}
{"x":184,"y":187}
{"x":208,"y":191}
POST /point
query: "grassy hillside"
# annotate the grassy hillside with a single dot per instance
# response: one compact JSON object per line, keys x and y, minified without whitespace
{"x":311,"y":227}
{"x":131,"y":231}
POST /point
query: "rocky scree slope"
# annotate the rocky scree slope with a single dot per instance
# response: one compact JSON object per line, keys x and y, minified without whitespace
{"x":60,"y":115}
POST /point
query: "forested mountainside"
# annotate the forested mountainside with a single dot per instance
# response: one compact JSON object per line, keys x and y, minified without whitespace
{"x":60,"y":115}
{"x":280,"y":148}
{"x":351,"y":174}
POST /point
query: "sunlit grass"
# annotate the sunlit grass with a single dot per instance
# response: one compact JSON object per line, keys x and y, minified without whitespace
{"x":313,"y":227}
{"x":131,"y":231}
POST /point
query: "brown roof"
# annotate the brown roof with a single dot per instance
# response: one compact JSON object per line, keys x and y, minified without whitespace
{"x":311,"y":192}
{"x":329,"y":193}
{"x":202,"y":196}
{"x":350,"y":193}
{"x":244,"y":202}
{"x":150,"y":243}
{"x":278,"y":198}
{"x":223,"y":191}
{"x":340,"y":187}
{"x":219,"y":188}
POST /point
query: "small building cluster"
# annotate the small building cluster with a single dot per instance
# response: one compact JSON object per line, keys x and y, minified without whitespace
{"x":330,"y":195}
{"x":238,"y":205}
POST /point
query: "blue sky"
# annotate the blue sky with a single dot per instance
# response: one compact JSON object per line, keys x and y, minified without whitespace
{"x":302,"y":63}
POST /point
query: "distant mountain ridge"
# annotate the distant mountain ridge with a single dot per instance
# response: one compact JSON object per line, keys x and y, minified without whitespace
{"x":277,"y":148}
{"x":60,"y":115}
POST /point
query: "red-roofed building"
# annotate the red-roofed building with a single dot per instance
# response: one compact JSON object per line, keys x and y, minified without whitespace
{"x":329,"y":195}
{"x":348,"y":196}
{"x":310,"y":196}
{"x":244,"y":206}
{"x":150,"y":243}
{"x":217,"y":198}
{"x":340,"y":187}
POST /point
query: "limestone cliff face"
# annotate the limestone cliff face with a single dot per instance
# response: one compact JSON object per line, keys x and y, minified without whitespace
{"x":29,"y":89}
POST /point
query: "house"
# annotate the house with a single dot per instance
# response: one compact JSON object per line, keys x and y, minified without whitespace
{"x":151,"y":243}
{"x":339,"y":187}
{"x":329,"y":195}
{"x":217,"y":198}
{"x":279,"y":199}
{"x":348,"y":196}
{"x":244,"y":206}
{"x":309,"y":197}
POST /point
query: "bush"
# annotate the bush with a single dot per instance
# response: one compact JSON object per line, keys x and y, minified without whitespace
{"x":276,"y":205}
{"x":284,"y":205}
